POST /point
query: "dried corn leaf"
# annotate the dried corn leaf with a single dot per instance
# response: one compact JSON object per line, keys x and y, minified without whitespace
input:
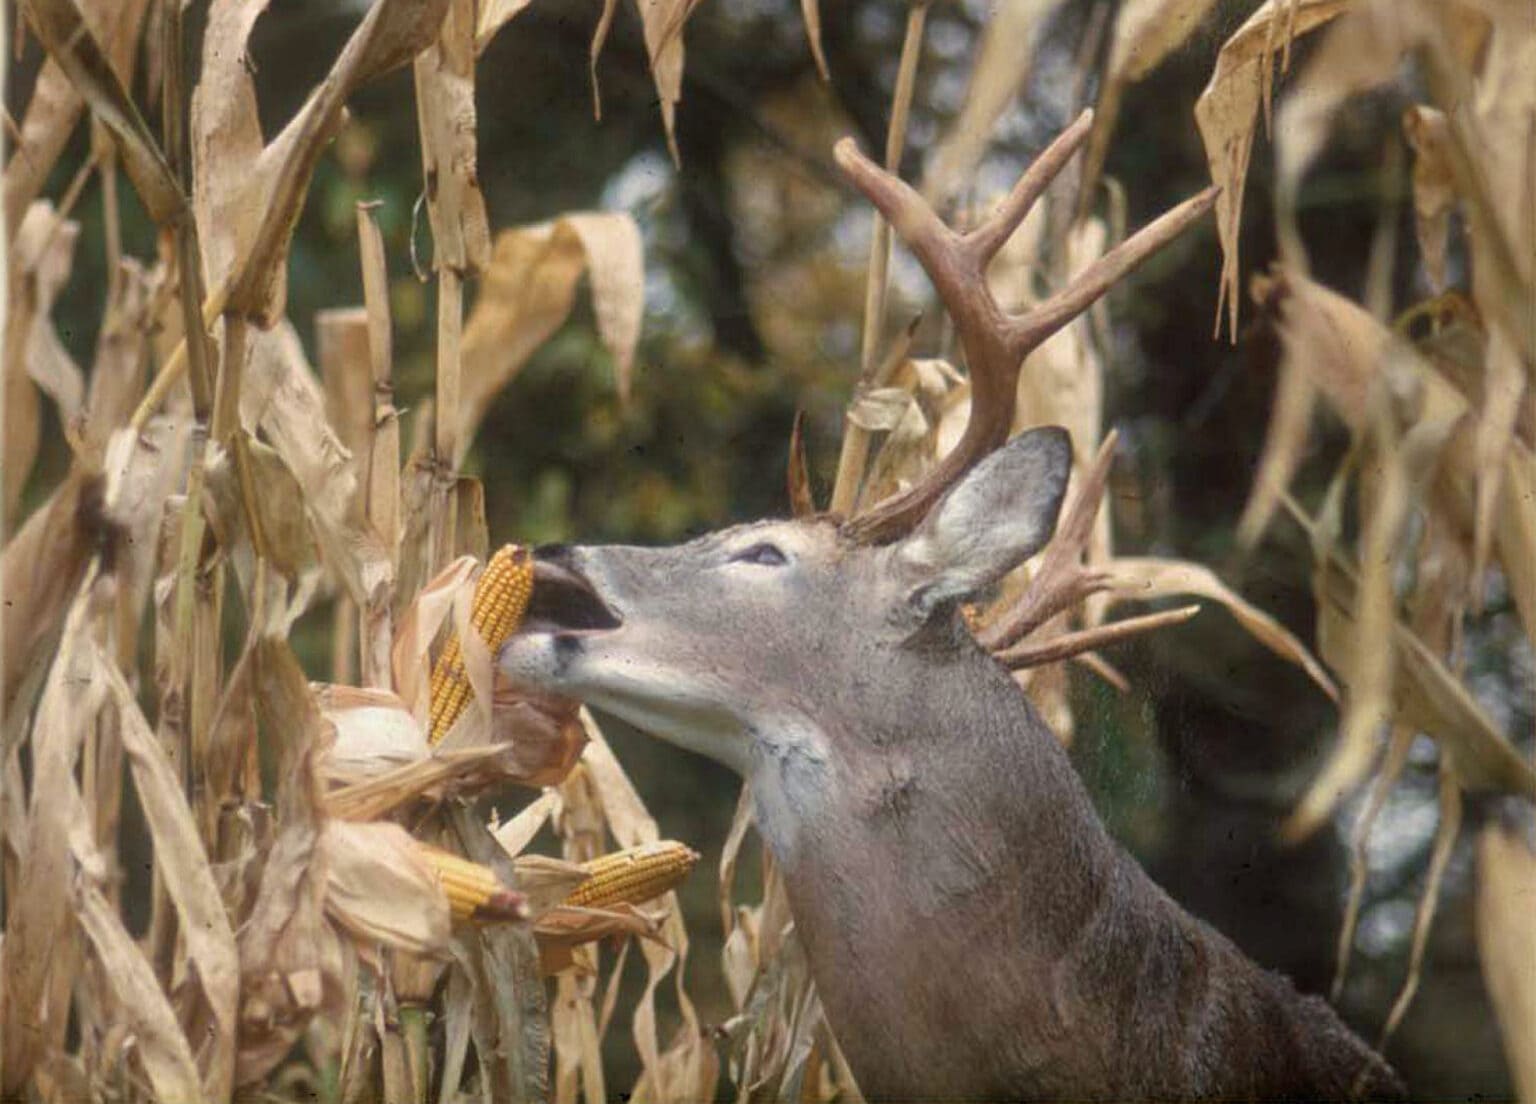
{"x":1427,"y":696}
{"x":1003,"y":63}
{"x":292,"y":965}
{"x":187,"y":878}
{"x":542,"y":734}
{"x":1146,"y":32}
{"x":380,"y":889}
{"x":1227,"y":114}
{"x":42,"y":255}
{"x":57,"y":823}
{"x":1145,"y":579}
{"x":72,"y":43}
{"x":451,"y":588}
{"x":1506,"y":939}
{"x":139,"y":1003}
{"x":494,"y":15}
{"x":287,"y":541}
{"x":283,"y":399}
{"x":250,"y":195}
{"x":1343,"y":348}
{"x":50,"y":118}
{"x":41,"y":570}
{"x":545,"y":881}
{"x":684,"y":1065}
{"x":439,"y":775}
{"x":1504,"y":388}
{"x":346,"y":372}
{"x":527,"y":293}
{"x":122,"y":348}
{"x":517,"y":833}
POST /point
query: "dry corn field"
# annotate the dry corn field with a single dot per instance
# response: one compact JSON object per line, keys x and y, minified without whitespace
{"x":224,"y":878}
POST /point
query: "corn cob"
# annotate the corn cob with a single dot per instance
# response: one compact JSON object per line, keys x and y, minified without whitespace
{"x":634,"y":875}
{"x":501,"y":598}
{"x":474,"y":891}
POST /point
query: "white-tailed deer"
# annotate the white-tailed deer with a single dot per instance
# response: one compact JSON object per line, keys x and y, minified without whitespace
{"x":972,"y":929}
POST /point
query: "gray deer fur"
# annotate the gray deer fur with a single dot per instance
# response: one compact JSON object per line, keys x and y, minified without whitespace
{"x":973,"y":930}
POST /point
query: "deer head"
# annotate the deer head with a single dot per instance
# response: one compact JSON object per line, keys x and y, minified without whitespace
{"x":777,"y":637}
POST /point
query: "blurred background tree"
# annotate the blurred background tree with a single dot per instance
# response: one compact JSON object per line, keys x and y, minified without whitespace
{"x":755,"y":253}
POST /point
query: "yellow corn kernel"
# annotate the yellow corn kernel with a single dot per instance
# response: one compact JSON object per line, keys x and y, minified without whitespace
{"x":634,"y":875}
{"x":501,"y":599}
{"x":474,"y":891}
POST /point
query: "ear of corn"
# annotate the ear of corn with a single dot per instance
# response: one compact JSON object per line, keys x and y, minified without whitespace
{"x":474,"y":892}
{"x":634,"y":875}
{"x":501,"y":599}
{"x":629,"y":877}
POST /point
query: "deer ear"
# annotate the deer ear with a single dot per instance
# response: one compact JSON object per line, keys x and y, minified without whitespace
{"x":994,"y":519}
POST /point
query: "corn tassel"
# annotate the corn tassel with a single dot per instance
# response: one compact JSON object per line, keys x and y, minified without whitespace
{"x":634,"y":875}
{"x":501,"y":598}
{"x":474,"y":892}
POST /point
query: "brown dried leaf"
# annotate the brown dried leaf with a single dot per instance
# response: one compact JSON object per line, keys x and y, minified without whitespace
{"x":662,"y":22}
{"x":511,"y":1021}
{"x":50,"y":118}
{"x":543,"y":734}
{"x":1505,"y":385}
{"x":418,"y":628}
{"x":517,"y":833}
{"x":1146,"y":579}
{"x":438,"y":776}
{"x":527,"y":293}
{"x":285,"y":530}
{"x":122,"y":352}
{"x":73,"y":44}
{"x":139,"y":1002}
{"x":188,"y":879}
{"x":1506,"y":939}
{"x":292,"y":965}
{"x":253,"y":194}
{"x":57,"y":824}
{"x":42,"y":255}
{"x":281,"y":397}
{"x":346,"y":373}
{"x":545,"y":881}
{"x":494,"y":15}
{"x":41,"y":570}
{"x":1227,"y":114}
{"x":1427,"y":696}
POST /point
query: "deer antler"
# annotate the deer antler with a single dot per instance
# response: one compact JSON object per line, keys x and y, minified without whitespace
{"x":995,"y":343}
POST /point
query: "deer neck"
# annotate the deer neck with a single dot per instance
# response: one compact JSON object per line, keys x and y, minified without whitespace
{"x":942,"y":859}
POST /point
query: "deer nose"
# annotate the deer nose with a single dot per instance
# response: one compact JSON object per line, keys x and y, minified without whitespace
{"x":557,"y":553}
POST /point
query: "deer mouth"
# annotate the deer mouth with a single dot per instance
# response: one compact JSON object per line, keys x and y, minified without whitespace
{"x":564,"y":602}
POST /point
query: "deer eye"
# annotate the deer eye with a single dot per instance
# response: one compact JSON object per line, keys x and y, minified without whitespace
{"x":763,"y":554}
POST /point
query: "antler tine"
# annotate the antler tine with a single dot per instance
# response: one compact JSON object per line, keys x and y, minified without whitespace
{"x":989,"y":237}
{"x":1030,"y":330}
{"x":1062,"y":581}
